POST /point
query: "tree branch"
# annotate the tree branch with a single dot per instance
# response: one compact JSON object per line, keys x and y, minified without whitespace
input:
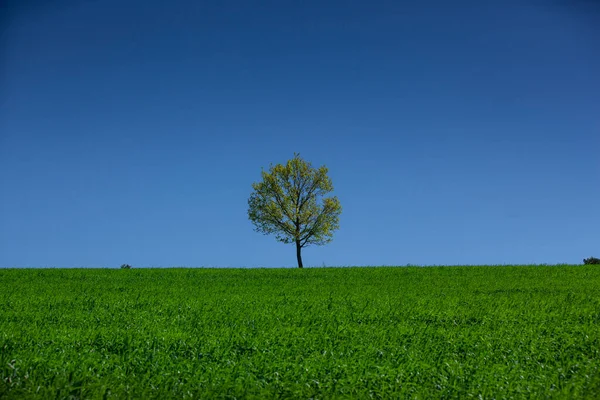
{"x":280,"y":202}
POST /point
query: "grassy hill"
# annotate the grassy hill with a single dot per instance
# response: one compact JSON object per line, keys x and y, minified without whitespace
{"x":381,"y":332}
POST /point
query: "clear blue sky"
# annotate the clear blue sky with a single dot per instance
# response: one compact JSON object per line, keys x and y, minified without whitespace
{"x":454,"y":132}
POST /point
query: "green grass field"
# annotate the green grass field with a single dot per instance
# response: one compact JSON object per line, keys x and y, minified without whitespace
{"x":436,"y":332}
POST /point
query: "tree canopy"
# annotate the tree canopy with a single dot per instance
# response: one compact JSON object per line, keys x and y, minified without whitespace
{"x":290,"y":202}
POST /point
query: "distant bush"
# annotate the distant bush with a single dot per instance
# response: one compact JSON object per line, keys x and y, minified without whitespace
{"x":591,"y":260}
{"x":125,"y":266}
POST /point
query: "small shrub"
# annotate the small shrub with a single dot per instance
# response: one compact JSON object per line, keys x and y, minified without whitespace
{"x":591,"y":260}
{"x":125,"y":266}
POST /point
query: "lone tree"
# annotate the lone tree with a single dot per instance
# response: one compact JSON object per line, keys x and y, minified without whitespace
{"x":290,"y":202}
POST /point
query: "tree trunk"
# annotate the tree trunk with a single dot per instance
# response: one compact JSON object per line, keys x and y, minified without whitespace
{"x":299,"y":253}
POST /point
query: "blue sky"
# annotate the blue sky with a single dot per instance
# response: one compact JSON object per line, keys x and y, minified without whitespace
{"x":454,"y":132}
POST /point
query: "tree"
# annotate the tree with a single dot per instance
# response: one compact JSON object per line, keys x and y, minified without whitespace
{"x":290,"y":202}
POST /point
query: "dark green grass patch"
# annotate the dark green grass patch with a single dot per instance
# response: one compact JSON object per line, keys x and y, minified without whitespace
{"x":441,"y":332}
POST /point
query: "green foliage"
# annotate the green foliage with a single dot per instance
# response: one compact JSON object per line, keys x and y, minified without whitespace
{"x":428,"y":333}
{"x":591,"y":260}
{"x":125,"y":266}
{"x":291,"y":203}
